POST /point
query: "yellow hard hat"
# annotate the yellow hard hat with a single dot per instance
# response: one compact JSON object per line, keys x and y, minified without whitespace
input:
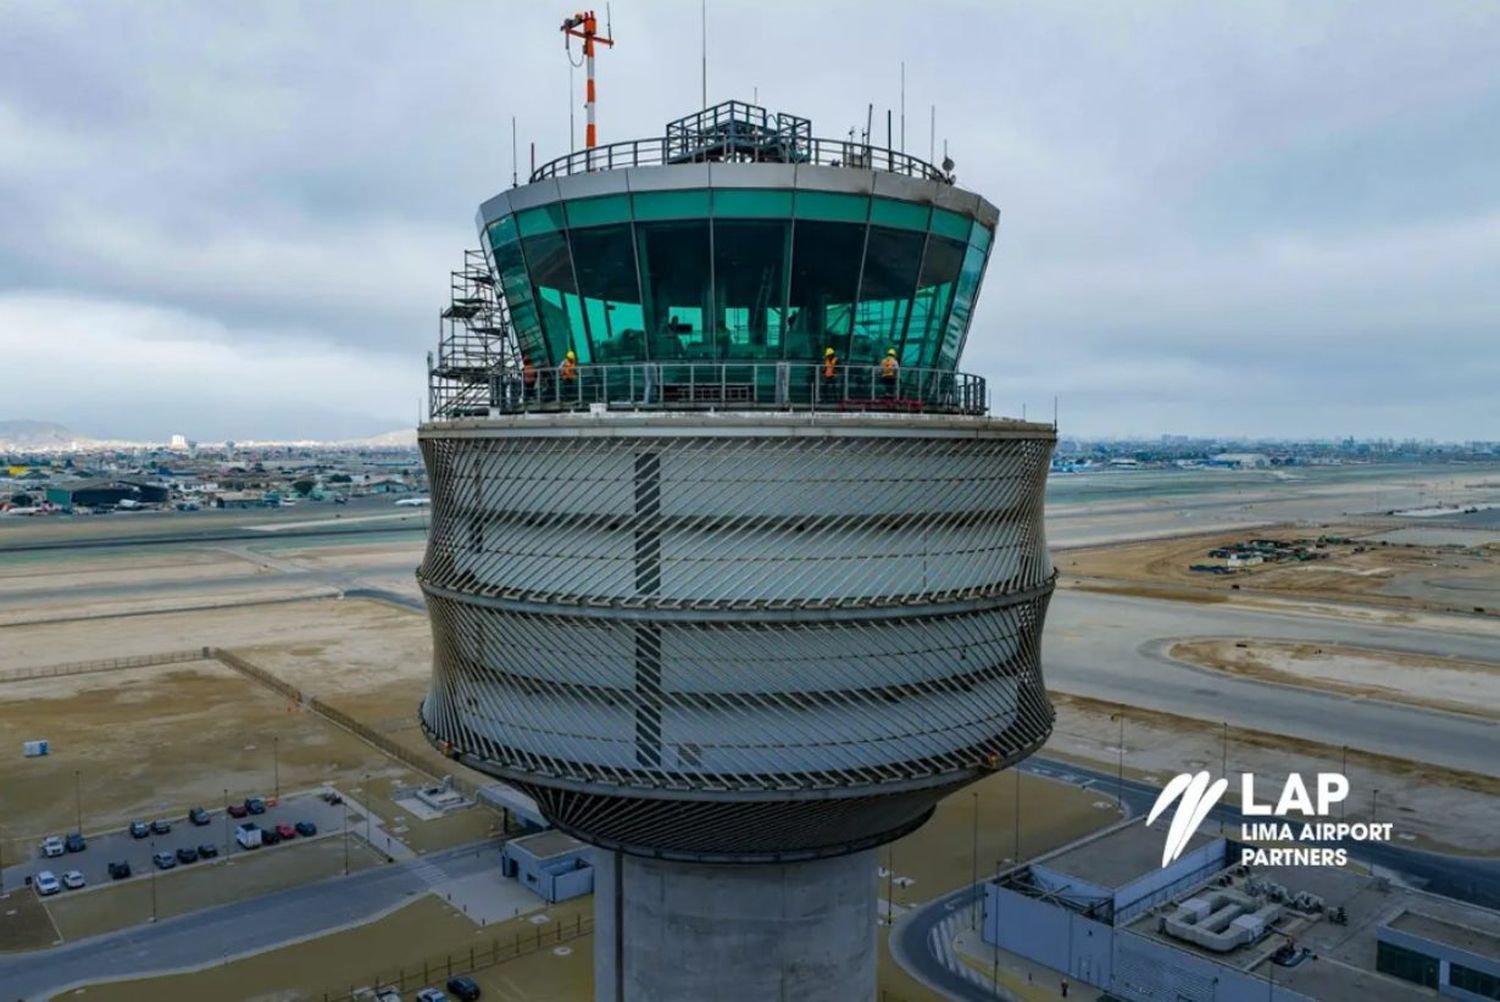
{"x":891,"y":352}
{"x":828,"y":351}
{"x":571,"y":355}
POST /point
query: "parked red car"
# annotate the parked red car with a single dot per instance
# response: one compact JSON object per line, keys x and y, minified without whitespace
{"x":237,"y":811}
{"x":286,"y":831}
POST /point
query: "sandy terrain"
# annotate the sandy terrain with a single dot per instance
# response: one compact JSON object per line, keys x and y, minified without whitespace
{"x":148,"y":742}
{"x":330,"y":621}
{"x":1456,"y":686}
{"x":1460,"y":579}
{"x":1432,"y":807}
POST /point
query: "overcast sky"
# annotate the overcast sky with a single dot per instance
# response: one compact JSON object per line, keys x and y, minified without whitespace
{"x":236,"y":220}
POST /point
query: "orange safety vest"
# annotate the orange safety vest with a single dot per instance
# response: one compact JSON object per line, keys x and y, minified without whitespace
{"x":569,"y":370}
{"x":830,"y":364}
{"x":528,"y":374}
{"x":888,"y":367}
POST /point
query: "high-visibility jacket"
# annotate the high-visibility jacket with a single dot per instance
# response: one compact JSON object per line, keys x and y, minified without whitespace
{"x":569,"y":370}
{"x":830,"y":366}
{"x":888,"y":367}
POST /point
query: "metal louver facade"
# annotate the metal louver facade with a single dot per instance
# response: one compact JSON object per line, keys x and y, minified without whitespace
{"x":737,"y":637}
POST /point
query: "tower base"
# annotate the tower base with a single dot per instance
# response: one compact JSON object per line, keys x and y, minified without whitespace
{"x":697,"y":932}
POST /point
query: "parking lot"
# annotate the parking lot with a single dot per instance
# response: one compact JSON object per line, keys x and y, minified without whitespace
{"x":118,"y":845}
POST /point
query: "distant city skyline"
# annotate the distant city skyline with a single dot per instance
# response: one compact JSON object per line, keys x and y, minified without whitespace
{"x":1274,"y":220}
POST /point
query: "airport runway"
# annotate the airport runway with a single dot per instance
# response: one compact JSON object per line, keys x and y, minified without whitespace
{"x":1109,"y":647}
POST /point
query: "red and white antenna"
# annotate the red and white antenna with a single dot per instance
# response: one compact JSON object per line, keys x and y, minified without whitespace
{"x":586,"y":27}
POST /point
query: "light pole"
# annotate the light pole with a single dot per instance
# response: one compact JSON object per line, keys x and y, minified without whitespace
{"x":1344,"y":769}
{"x":276,"y":765}
{"x":974,"y":859}
{"x":1120,"y":768}
{"x":364,"y":790}
{"x":1016,"y":848}
{"x":1374,"y":799}
{"x":78,"y":799}
{"x":227,"y":847}
{"x":152,"y":864}
{"x":1224,"y":765}
{"x":995,"y":944}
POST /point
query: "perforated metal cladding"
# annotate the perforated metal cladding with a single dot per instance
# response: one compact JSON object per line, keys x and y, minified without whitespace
{"x":834,"y":628}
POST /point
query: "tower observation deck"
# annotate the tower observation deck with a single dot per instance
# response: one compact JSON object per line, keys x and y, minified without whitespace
{"x":729,"y":611}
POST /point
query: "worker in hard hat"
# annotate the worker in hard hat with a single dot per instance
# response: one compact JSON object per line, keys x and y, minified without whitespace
{"x":528,"y":378}
{"x":889,"y":370}
{"x":568,"y":371}
{"x":830,"y":372}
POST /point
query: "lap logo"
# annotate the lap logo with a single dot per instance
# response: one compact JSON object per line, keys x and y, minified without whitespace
{"x":1196,"y":794}
{"x":1200,"y":794}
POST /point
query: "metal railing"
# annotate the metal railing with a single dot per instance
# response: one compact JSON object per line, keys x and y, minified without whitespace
{"x":712,"y":386}
{"x":739,"y":148}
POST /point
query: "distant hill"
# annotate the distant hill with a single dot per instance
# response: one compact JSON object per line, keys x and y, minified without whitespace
{"x":20,"y":433}
{"x":404,"y":438}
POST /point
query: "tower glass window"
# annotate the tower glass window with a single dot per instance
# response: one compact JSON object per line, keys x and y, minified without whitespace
{"x":730,"y":274}
{"x":750,"y":286}
{"x":826,"y":261}
{"x":676,"y":288}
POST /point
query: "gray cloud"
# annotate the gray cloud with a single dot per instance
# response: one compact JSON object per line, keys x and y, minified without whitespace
{"x":1232,"y":219}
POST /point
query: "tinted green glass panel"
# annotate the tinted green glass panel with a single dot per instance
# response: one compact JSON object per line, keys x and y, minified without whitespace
{"x":671,"y":204}
{"x":604,"y":261}
{"x":941,"y":264}
{"x":599,"y":211}
{"x":750,"y":286}
{"x":751,"y":203}
{"x":963,"y":307}
{"x":676,"y":288}
{"x":832,"y":206}
{"x":556,"y":295}
{"x":503,"y":231}
{"x":824,"y":281}
{"x":950,"y":224}
{"x":906,"y":215}
{"x":980,"y":237}
{"x":893,"y":260}
{"x":542,"y":219}
{"x":510,"y":268}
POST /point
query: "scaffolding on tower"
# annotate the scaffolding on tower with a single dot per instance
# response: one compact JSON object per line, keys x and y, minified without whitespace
{"x":476,"y":347}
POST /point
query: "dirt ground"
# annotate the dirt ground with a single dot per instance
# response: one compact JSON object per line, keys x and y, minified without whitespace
{"x":939,"y":856}
{"x":329,"y":621}
{"x":24,"y":922}
{"x":1432,"y":808}
{"x":1446,"y":578}
{"x":145,"y":742}
{"x":1452,"y":685}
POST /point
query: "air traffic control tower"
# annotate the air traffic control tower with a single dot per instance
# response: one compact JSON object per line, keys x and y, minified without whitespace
{"x":732,"y":613}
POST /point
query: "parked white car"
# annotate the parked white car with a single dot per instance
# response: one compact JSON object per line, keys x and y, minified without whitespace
{"x":431,"y":995}
{"x":46,"y":883}
{"x":52,"y":846}
{"x":72,"y":880}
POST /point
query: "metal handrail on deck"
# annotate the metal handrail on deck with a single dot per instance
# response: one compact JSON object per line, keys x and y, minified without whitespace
{"x":739,"y":148}
{"x":724,"y":385}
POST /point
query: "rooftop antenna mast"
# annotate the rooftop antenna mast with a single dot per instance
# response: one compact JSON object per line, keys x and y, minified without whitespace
{"x":586,"y":26}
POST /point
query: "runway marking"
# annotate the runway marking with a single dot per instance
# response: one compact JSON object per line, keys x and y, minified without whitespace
{"x":320,"y":522}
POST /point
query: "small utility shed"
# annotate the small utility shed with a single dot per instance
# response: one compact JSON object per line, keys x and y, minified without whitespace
{"x":554,"y":865}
